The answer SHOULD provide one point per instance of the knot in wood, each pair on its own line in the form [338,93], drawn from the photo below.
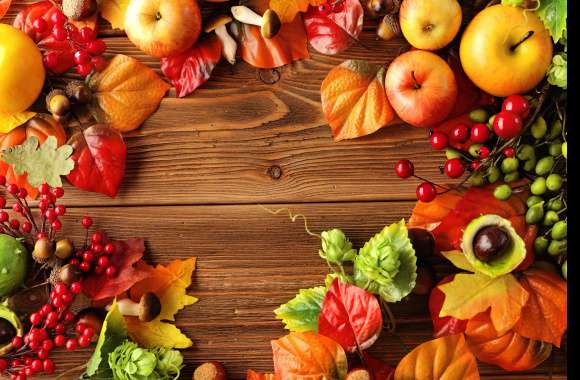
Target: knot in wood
[275,172]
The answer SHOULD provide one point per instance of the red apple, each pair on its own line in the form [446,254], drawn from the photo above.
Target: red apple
[162,28]
[421,87]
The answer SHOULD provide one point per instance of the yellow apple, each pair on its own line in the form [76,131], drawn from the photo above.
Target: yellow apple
[430,24]
[21,70]
[504,51]
[162,28]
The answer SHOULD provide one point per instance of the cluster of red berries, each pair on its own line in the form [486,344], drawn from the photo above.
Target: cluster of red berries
[96,257]
[88,50]
[48,331]
[331,6]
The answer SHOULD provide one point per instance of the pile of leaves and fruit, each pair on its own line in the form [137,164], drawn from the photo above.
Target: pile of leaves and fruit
[63,295]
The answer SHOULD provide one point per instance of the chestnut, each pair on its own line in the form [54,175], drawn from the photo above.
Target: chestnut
[212,370]
[490,242]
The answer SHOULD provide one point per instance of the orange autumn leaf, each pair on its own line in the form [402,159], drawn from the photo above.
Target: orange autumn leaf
[4,5]
[544,317]
[472,293]
[288,9]
[427,213]
[308,355]
[126,93]
[446,358]
[509,351]
[253,375]
[354,101]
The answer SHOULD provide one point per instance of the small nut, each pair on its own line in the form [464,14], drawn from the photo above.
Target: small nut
[64,249]
[57,103]
[78,92]
[212,370]
[43,250]
[69,274]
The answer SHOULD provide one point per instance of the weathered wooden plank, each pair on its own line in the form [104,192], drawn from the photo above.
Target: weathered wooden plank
[249,262]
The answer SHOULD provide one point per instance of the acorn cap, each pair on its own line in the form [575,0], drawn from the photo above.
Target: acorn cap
[149,307]
[217,21]
[271,24]
[78,92]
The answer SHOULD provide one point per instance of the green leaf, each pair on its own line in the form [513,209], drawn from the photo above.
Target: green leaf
[387,264]
[554,14]
[113,333]
[300,314]
[558,71]
[44,164]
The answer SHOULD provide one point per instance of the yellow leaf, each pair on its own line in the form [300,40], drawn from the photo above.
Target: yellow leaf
[127,92]
[470,294]
[458,259]
[446,358]
[114,12]
[288,9]
[156,334]
[10,121]
[169,284]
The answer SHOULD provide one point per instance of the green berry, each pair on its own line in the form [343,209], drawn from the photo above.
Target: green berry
[503,192]
[530,164]
[565,270]
[565,149]
[545,165]
[474,150]
[478,116]
[541,245]
[509,165]
[557,247]
[555,204]
[526,152]
[550,218]
[533,200]
[539,128]
[555,130]
[493,174]
[555,148]
[559,230]
[554,182]
[511,177]
[452,153]
[538,186]
[476,179]
[535,214]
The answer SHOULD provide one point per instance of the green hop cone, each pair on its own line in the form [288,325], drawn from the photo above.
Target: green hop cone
[336,248]
[130,362]
[387,264]
[169,363]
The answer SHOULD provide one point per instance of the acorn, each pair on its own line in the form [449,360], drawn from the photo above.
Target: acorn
[69,274]
[64,249]
[78,92]
[79,9]
[212,370]
[43,250]
[378,8]
[57,103]
[389,28]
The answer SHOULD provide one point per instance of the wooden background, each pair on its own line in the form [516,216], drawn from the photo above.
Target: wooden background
[197,170]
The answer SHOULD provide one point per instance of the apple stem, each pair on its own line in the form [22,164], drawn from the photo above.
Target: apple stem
[417,85]
[523,39]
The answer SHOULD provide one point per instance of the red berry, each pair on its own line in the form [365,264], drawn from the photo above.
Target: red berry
[3,365]
[71,344]
[43,205]
[109,248]
[60,328]
[39,25]
[27,360]
[60,288]
[87,222]
[36,318]
[103,261]
[47,345]
[27,227]
[56,302]
[80,327]
[2,180]
[97,237]
[89,332]
[42,354]
[45,309]
[15,363]
[84,341]
[324,9]
[44,188]
[99,63]
[426,192]
[17,342]
[97,248]
[4,216]
[58,18]
[84,69]
[85,266]
[76,287]
[49,197]
[2,202]
[66,298]
[74,261]
[81,57]
[88,256]
[111,271]
[475,164]
[50,214]
[86,34]
[34,345]
[58,192]
[21,376]
[15,224]
[460,133]
[50,60]
[96,47]
[507,124]
[439,140]
[59,33]
[22,193]
[517,104]
[404,168]
[28,371]
[59,340]
[12,188]
[484,152]
[60,210]
[37,366]
[48,366]
[56,225]
[509,152]
[454,168]
[16,207]
[52,318]
[479,133]
[40,235]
